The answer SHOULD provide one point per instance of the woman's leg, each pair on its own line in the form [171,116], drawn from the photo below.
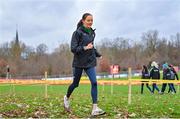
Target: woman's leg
[173,88]
[91,72]
[142,86]
[170,88]
[155,87]
[77,72]
[163,87]
[147,85]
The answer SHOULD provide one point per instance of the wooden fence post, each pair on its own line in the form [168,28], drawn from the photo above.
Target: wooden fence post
[129,91]
[45,75]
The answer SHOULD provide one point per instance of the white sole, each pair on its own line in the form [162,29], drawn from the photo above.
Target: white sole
[99,114]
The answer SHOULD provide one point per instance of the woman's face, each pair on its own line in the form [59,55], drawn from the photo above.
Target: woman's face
[88,21]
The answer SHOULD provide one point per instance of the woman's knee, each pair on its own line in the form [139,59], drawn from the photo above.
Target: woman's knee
[94,83]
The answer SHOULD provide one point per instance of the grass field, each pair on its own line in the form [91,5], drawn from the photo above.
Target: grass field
[28,101]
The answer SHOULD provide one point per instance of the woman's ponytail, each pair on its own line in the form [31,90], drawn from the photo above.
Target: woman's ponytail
[80,23]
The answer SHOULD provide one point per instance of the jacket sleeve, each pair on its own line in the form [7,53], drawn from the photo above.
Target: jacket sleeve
[142,76]
[151,73]
[176,74]
[75,47]
[97,53]
[159,75]
[164,75]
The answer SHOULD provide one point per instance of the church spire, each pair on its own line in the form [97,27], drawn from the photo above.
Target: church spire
[17,37]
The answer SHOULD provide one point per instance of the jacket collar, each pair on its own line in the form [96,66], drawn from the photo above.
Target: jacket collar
[82,29]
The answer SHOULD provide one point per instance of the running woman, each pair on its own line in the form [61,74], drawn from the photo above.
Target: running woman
[82,46]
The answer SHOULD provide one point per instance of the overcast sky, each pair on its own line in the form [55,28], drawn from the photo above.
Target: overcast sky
[52,21]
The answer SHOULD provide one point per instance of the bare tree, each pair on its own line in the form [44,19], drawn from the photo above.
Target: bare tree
[150,40]
[41,49]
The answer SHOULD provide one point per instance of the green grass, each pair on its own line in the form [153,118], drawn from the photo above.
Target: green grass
[28,101]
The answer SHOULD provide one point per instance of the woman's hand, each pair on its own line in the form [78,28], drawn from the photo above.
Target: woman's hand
[89,46]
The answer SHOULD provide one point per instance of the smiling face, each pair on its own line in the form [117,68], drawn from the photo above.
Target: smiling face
[88,21]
